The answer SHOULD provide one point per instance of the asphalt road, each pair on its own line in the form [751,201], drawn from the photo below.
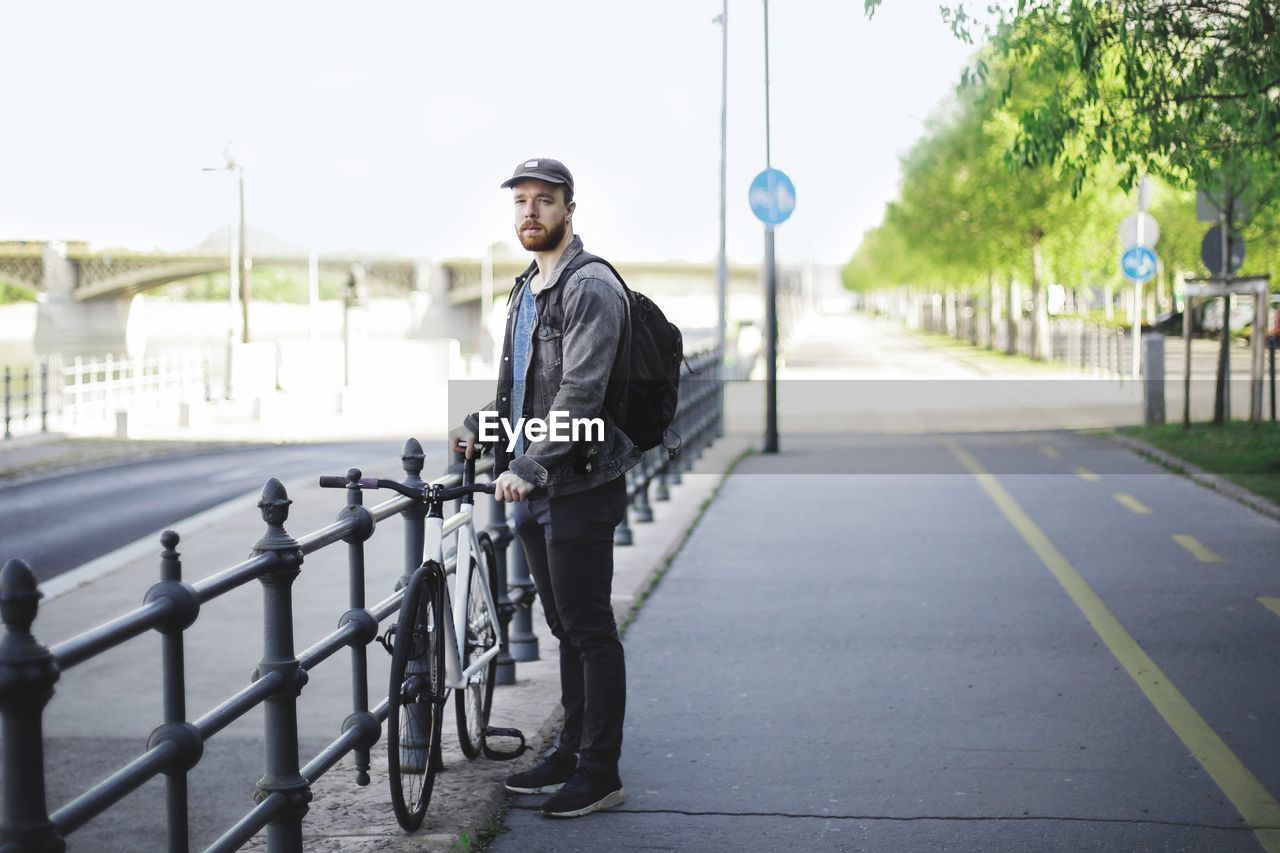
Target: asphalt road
[60,521]
[982,643]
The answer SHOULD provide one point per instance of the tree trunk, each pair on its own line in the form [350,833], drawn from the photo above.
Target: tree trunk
[993,309]
[1037,296]
[1013,313]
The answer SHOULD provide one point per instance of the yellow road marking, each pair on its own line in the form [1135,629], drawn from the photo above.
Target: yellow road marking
[1254,802]
[1132,504]
[1051,452]
[1197,550]
[1086,475]
[1272,604]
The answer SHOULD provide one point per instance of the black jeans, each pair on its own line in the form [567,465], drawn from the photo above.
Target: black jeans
[569,544]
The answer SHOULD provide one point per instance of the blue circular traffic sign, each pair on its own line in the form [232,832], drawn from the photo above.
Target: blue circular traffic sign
[1138,263]
[772,197]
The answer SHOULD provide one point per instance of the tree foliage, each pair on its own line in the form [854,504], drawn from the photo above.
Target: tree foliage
[1063,108]
[1188,90]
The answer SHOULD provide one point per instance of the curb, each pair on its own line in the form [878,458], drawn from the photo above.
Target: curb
[1225,487]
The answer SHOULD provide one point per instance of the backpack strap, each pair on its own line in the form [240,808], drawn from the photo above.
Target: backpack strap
[584,258]
[580,260]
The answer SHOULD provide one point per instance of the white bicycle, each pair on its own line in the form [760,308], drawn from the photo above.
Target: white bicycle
[430,656]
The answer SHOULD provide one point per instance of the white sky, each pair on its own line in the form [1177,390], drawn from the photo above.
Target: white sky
[388,126]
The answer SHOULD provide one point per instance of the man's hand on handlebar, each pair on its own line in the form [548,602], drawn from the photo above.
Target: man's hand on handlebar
[466,443]
[511,488]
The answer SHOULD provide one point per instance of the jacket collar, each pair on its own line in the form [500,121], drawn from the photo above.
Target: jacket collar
[570,252]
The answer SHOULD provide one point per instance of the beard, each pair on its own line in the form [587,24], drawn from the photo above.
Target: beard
[541,241]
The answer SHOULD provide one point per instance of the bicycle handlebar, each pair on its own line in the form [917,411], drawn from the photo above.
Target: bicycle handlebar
[343,482]
[422,494]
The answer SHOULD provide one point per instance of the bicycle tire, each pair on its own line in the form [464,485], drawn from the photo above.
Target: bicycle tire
[474,702]
[416,696]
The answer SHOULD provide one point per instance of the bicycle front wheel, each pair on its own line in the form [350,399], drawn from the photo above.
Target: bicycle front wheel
[474,701]
[416,696]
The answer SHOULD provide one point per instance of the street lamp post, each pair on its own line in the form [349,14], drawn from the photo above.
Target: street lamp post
[245,262]
[241,264]
[237,271]
[722,271]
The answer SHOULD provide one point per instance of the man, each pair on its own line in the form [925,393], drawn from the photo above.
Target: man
[566,336]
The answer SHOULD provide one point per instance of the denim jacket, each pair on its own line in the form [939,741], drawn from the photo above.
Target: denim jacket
[571,365]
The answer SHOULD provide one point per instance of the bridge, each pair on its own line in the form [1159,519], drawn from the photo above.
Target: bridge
[85,293]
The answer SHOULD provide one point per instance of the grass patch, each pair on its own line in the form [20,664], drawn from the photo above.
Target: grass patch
[1246,454]
[493,827]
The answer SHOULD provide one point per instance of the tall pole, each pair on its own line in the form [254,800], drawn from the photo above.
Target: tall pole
[771,280]
[722,268]
[768,151]
[1137,285]
[233,321]
[1222,389]
[244,265]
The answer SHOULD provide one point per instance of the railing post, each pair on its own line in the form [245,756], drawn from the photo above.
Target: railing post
[622,533]
[643,511]
[524,643]
[44,395]
[415,532]
[175,727]
[500,534]
[360,716]
[284,833]
[660,492]
[8,398]
[27,675]
[26,396]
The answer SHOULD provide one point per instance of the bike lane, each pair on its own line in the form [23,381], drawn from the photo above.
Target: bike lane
[1189,574]
[880,661]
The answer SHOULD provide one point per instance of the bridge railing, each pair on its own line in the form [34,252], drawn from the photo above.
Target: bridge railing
[24,399]
[92,393]
[29,670]
[96,395]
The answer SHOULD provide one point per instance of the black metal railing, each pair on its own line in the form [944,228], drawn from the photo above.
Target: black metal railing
[698,421]
[29,670]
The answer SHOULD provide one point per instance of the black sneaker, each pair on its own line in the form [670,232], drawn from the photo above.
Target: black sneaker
[546,776]
[588,791]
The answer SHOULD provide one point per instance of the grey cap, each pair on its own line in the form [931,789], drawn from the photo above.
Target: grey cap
[543,169]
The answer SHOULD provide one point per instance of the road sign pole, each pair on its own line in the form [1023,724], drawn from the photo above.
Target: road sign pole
[1188,307]
[1258,342]
[771,345]
[771,275]
[1222,390]
[1137,283]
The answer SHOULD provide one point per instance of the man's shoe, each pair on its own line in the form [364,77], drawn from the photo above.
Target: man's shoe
[588,791]
[545,777]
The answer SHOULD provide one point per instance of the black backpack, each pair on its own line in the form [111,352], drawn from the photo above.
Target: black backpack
[643,402]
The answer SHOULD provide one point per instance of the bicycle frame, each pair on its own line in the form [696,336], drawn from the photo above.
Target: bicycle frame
[438,529]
